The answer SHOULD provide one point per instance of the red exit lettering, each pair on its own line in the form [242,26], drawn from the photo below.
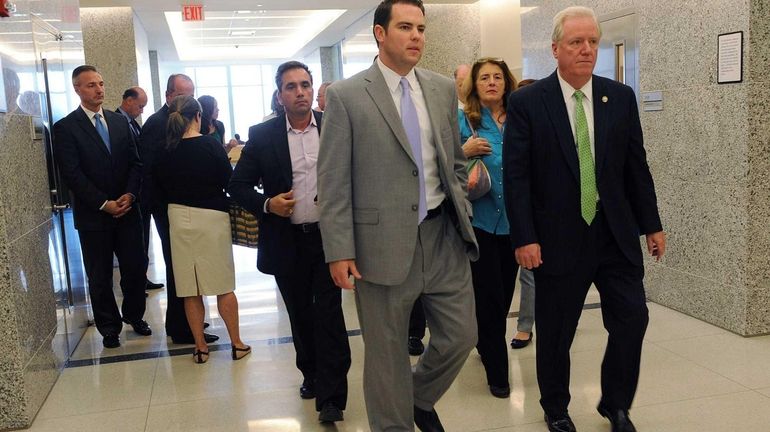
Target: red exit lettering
[192,12]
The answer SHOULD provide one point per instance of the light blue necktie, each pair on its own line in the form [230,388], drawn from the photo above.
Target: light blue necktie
[102,131]
[412,127]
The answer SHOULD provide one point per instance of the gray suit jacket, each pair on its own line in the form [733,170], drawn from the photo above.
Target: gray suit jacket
[367,177]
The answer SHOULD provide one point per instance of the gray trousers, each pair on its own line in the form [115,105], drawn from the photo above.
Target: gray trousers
[527,301]
[440,272]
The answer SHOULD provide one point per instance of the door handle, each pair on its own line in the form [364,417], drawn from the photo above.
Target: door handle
[61,207]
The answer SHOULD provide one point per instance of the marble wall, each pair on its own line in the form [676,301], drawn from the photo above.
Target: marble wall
[110,46]
[33,324]
[452,36]
[33,353]
[708,151]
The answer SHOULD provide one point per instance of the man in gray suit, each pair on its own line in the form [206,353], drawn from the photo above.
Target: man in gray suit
[394,215]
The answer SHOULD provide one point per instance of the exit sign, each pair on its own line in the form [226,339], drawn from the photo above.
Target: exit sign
[192,12]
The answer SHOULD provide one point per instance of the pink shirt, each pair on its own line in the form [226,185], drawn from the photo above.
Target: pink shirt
[303,148]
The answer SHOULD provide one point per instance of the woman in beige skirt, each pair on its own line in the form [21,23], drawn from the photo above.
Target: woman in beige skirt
[192,174]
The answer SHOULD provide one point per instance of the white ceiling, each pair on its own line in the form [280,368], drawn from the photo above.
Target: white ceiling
[271,21]
[286,26]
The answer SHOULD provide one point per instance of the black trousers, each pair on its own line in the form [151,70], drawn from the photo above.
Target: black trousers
[146,222]
[558,305]
[494,278]
[125,241]
[176,320]
[417,320]
[314,305]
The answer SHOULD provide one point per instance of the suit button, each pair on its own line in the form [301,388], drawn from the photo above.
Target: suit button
[415,173]
[414,207]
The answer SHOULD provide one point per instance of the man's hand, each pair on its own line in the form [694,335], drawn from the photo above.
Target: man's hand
[341,271]
[230,145]
[282,204]
[656,244]
[528,256]
[116,209]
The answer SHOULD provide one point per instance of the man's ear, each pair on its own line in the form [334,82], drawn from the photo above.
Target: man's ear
[379,33]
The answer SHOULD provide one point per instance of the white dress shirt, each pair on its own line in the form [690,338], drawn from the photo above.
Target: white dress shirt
[303,148]
[91,115]
[434,195]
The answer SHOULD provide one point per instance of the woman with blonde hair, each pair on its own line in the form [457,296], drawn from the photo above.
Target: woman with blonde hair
[192,175]
[481,122]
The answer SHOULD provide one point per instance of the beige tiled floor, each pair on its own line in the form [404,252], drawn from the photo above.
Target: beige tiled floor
[695,378]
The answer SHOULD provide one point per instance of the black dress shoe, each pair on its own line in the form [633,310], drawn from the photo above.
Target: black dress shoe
[190,340]
[415,346]
[307,390]
[427,421]
[500,392]
[141,327]
[521,343]
[618,418]
[152,285]
[560,424]
[330,413]
[111,341]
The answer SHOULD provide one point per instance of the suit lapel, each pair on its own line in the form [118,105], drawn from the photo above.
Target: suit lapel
[430,92]
[380,94]
[281,147]
[90,130]
[601,111]
[557,112]
[112,130]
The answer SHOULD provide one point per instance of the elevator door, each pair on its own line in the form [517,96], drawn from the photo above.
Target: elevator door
[619,49]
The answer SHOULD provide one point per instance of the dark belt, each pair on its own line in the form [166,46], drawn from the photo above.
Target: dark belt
[306,227]
[434,212]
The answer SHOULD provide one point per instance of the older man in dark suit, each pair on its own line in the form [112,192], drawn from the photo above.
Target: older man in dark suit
[281,154]
[579,193]
[132,106]
[98,160]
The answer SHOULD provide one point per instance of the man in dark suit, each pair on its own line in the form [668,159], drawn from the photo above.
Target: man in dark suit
[134,101]
[152,144]
[97,158]
[281,153]
[579,193]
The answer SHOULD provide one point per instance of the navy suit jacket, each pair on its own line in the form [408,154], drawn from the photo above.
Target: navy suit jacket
[94,174]
[266,159]
[542,176]
[152,144]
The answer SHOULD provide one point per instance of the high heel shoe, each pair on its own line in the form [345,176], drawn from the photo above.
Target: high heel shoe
[239,353]
[198,356]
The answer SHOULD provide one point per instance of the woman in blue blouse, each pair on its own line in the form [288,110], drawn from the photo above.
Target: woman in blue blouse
[481,129]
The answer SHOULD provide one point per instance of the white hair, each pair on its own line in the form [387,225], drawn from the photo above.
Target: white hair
[571,12]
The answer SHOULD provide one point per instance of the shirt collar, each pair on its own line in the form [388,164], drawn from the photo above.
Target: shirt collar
[91,114]
[393,80]
[125,114]
[311,124]
[567,90]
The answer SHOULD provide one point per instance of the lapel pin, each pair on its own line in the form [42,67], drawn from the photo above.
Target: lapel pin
[605,99]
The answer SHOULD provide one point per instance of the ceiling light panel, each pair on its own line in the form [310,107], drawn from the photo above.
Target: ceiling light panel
[268,34]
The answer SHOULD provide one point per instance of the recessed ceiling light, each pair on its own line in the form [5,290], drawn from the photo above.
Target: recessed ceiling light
[243,11]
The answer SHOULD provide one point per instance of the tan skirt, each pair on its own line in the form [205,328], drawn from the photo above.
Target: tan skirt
[201,251]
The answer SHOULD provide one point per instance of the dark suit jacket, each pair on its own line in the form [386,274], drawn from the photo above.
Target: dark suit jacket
[152,143]
[542,180]
[94,174]
[266,159]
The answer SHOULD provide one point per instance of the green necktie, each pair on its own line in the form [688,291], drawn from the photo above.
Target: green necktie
[588,190]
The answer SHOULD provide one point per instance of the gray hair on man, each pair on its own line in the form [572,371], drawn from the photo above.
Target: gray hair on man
[571,12]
